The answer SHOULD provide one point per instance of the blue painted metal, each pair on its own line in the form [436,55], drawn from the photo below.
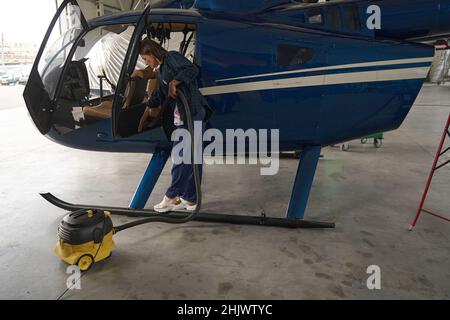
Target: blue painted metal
[415,19]
[309,158]
[238,6]
[150,178]
[401,19]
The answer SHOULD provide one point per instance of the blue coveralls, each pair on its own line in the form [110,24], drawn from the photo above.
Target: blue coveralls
[183,181]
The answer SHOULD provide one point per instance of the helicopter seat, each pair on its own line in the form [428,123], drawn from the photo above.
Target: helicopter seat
[135,93]
[137,89]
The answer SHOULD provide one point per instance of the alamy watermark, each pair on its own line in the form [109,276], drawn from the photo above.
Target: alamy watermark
[374,19]
[374,280]
[74,280]
[232,146]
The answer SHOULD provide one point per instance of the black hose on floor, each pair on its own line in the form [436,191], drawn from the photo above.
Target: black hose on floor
[190,123]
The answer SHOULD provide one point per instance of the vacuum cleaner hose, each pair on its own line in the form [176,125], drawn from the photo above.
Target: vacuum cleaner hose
[190,124]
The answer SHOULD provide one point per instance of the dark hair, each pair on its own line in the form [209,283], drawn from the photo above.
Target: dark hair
[149,46]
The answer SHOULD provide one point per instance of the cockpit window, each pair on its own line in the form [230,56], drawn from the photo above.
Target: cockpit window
[292,55]
[66,31]
[91,77]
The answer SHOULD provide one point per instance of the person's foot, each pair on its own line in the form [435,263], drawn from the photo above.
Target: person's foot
[188,206]
[168,205]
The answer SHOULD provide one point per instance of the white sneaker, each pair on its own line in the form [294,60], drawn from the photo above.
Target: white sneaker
[168,205]
[187,206]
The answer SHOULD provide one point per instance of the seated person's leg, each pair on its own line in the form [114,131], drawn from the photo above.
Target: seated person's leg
[104,109]
[137,89]
[101,111]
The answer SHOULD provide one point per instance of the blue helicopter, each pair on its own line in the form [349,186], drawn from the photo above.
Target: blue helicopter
[322,73]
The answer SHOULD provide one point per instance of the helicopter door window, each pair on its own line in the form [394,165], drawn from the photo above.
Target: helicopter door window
[66,31]
[334,18]
[351,19]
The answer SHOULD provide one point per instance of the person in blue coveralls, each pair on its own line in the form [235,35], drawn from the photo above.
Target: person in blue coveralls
[175,72]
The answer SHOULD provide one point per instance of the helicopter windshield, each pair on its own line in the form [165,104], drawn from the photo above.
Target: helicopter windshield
[66,31]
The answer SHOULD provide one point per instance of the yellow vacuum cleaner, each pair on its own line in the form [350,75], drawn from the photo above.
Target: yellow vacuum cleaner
[85,237]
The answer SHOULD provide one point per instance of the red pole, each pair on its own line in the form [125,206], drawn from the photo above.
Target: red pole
[430,177]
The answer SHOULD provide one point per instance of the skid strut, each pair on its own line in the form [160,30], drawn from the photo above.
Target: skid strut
[202,216]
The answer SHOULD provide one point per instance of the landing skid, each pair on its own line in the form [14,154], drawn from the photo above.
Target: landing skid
[202,216]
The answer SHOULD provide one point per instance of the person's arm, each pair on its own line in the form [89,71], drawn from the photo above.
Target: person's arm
[145,74]
[148,73]
[137,74]
[185,71]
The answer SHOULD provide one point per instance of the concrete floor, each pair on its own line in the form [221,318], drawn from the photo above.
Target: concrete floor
[371,194]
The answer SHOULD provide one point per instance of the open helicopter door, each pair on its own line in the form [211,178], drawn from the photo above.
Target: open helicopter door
[39,94]
[127,69]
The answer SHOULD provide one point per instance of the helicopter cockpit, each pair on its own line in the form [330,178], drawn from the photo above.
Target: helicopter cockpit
[90,78]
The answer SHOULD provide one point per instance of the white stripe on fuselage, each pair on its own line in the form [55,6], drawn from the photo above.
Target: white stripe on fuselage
[321,80]
[338,67]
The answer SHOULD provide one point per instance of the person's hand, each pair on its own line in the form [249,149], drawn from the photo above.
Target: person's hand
[143,121]
[173,88]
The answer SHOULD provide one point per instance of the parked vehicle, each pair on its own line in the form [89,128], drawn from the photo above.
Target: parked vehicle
[8,78]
